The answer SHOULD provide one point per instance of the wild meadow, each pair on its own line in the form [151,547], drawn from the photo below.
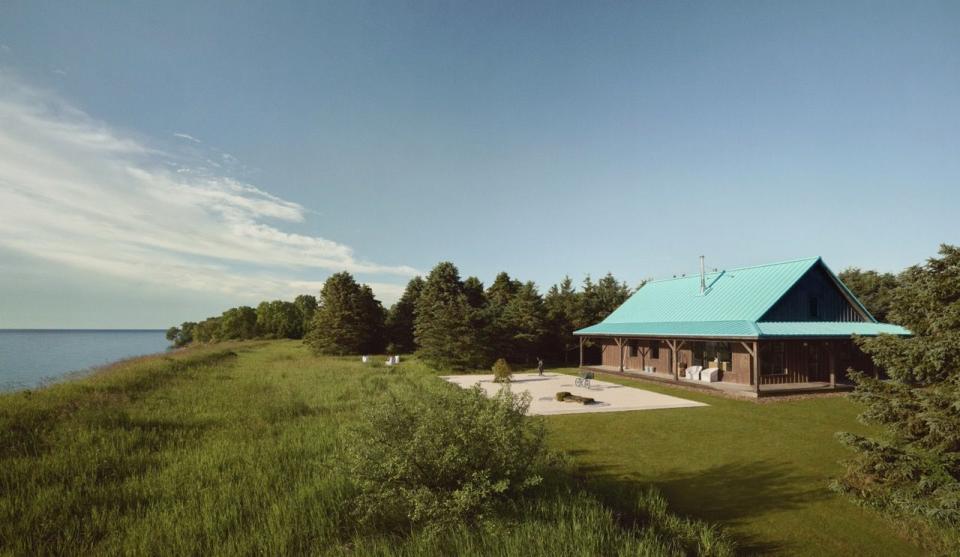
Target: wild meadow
[238,448]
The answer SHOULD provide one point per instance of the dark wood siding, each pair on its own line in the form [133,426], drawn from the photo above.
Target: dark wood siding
[815,287]
[802,361]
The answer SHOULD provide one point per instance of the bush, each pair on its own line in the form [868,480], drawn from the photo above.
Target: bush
[502,372]
[444,456]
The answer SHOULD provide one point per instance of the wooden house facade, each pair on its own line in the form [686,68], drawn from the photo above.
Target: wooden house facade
[779,327]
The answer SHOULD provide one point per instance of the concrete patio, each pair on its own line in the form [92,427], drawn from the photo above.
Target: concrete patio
[609,397]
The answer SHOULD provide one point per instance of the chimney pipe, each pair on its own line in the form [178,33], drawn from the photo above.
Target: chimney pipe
[703,278]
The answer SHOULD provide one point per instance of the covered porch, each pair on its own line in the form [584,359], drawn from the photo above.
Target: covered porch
[736,389]
[750,367]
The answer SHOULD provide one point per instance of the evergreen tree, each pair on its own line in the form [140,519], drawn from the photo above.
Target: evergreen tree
[473,289]
[400,319]
[601,298]
[372,318]
[913,468]
[445,325]
[874,289]
[563,309]
[349,319]
[523,319]
[307,306]
[497,332]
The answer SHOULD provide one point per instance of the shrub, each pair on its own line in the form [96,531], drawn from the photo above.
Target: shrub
[444,456]
[502,372]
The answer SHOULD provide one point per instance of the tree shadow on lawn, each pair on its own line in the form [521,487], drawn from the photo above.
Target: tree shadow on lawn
[728,494]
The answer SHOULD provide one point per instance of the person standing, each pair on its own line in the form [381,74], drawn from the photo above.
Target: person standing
[539,365]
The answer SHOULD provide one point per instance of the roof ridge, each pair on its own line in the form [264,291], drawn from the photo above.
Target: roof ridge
[720,271]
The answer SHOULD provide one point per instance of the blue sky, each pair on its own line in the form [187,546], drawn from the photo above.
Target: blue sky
[159,163]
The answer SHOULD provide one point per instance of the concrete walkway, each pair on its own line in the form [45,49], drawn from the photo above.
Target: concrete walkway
[610,397]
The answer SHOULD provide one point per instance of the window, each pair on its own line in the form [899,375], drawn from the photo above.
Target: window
[706,352]
[814,307]
[632,349]
[655,349]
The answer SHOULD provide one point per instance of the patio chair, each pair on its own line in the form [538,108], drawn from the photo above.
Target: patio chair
[710,375]
[693,373]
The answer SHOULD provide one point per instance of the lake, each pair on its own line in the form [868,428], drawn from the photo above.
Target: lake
[29,358]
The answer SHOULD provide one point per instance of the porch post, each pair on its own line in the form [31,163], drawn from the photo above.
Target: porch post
[832,359]
[756,367]
[673,357]
[619,341]
[581,351]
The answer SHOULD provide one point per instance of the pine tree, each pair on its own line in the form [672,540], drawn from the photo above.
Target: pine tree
[913,468]
[563,313]
[349,319]
[601,298]
[498,333]
[445,325]
[401,317]
[524,321]
[874,289]
[372,319]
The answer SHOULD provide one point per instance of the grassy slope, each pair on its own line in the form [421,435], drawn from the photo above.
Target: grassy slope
[237,455]
[761,470]
[208,452]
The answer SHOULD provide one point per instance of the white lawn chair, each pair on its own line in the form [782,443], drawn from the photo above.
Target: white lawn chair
[364,358]
[710,375]
[693,373]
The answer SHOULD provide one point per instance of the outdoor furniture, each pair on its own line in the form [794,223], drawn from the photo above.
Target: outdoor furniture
[693,373]
[584,379]
[710,375]
[364,358]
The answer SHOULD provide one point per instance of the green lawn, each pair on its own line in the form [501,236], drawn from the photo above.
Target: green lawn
[215,452]
[761,470]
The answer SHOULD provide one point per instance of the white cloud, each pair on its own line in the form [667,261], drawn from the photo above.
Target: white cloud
[76,192]
[187,136]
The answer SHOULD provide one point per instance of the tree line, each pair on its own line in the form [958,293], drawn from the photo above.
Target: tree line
[447,321]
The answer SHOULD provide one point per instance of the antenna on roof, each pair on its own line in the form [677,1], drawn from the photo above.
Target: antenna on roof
[703,278]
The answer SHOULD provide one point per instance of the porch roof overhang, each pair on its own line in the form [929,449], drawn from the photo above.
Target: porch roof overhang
[742,329]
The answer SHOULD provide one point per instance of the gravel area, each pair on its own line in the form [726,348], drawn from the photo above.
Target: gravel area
[609,397]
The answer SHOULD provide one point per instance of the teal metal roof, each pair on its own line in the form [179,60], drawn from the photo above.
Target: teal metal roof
[733,295]
[675,329]
[732,305]
[827,328]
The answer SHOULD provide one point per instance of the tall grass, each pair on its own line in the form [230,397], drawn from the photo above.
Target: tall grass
[234,449]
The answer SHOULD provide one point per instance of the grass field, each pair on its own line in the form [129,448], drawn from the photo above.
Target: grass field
[233,449]
[760,470]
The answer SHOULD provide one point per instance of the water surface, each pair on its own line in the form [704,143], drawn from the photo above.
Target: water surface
[29,358]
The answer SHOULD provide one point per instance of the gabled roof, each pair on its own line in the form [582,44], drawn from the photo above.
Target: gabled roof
[732,305]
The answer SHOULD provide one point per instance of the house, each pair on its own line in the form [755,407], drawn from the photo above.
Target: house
[768,329]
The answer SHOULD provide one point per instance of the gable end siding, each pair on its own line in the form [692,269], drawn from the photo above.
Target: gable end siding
[831,304]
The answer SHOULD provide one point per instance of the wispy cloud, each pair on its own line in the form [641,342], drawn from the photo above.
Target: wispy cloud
[77,192]
[186,136]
